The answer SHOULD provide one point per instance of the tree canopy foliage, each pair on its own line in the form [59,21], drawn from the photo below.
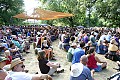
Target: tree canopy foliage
[86,12]
[9,8]
[93,12]
[74,7]
[109,10]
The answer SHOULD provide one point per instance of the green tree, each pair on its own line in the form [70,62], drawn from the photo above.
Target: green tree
[91,12]
[9,8]
[89,8]
[75,7]
[109,10]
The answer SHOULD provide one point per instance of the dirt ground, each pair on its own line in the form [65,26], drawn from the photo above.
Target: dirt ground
[32,64]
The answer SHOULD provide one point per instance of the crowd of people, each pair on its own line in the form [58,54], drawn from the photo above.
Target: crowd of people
[81,45]
[80,42]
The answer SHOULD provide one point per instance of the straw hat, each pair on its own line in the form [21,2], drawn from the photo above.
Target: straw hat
[112,47]
[113,41]
[15,62]
[76,69]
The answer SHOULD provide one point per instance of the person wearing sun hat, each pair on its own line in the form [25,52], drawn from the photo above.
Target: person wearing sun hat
[2,59]
[79,71]
[17,72]
[113,46]
[112,51]
[15,62]
[3,73]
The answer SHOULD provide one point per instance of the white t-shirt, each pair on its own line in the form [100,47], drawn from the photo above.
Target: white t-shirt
[18,76]
[62,37]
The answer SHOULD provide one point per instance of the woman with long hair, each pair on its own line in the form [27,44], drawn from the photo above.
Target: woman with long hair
[47,67]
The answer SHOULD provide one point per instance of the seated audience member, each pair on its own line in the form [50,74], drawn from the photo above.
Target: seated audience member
[20,38]
[8,56]
[45,43]
[92,39]
[108,37]
[46,46]
[39,40]
[100,47]
[66,41]
[60,41]
[26,46]
[79,71]
[2,49]
[5,45]
[105,43]
[71,51]
[78,53]
[47,67]
[76,38]
[85,38]
[14,52]
[72,39]
[3,73]
[16,42]
[93,60]
[112,51]
[24,43]
[18,73]
[88,45]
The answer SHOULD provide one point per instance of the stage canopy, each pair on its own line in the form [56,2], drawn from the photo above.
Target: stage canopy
[22,16]
[40,14]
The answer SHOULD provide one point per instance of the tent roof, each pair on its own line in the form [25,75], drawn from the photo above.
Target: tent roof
[41,14]
[22,16]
